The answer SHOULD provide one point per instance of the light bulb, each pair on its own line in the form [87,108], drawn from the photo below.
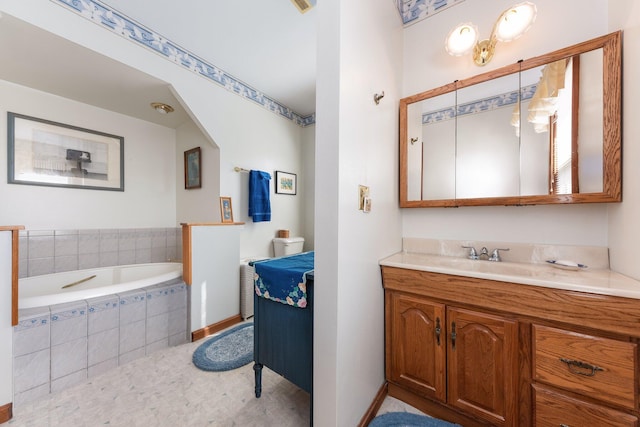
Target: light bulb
[515,21]
[462,39]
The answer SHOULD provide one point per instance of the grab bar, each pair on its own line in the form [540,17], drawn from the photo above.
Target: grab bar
[78,282]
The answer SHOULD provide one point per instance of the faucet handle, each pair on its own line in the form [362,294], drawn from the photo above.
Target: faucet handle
[495,254]
[472,252]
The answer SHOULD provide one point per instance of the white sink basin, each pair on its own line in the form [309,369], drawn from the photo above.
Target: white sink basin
[599,281]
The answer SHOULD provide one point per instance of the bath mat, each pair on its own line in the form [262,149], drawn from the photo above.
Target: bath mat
[407,419]
[229,350]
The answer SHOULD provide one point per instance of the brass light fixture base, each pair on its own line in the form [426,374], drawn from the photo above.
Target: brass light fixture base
[511,24]
[162,108]
[483,51]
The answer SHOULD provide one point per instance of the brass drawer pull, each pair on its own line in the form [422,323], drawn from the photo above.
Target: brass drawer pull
[575,366]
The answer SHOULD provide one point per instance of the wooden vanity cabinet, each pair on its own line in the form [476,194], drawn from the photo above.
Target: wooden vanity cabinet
[486,353]
[553,409]
[460,357]
[482,365]
[418,339]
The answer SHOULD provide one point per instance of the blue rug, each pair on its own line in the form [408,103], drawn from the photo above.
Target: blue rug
[229,350]
[407,419]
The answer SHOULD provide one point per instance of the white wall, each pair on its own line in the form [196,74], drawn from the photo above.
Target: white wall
[427,65]
[359,54]
[215,290]
[624,227]
[197,204]
[149,174]
[250,137]
[308,201]
[6,331]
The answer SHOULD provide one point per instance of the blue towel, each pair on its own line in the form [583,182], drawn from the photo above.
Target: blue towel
[259,205]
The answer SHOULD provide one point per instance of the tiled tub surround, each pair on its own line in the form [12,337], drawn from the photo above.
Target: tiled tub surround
[54,251]
[64,344]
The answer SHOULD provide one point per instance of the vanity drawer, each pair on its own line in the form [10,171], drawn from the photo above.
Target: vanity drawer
[554,409]
[601,368]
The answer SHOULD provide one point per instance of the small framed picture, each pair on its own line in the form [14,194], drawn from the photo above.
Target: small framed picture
[285,183]
[192,170]
[226,211]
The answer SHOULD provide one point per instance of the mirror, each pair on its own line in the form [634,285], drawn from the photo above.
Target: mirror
[545,130]
[487,159]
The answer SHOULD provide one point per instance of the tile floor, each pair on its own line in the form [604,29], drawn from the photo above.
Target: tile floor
[165,389]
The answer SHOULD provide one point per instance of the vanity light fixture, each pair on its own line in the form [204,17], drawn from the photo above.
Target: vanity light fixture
[162,108]
[511,24]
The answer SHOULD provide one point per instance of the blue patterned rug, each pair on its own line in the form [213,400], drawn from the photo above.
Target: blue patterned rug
[229,350]
[407,419]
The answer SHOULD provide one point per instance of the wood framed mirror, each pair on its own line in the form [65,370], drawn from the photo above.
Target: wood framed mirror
[546,130]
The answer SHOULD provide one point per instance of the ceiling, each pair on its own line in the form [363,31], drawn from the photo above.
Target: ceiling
[93,79]
[267,44]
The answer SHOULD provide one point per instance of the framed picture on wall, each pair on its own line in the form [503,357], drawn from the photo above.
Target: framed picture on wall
[42,152]
[226,211]
[286,183]
[192,169]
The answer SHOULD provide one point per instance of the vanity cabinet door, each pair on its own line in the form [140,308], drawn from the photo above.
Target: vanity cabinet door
[417,350]
[483,362]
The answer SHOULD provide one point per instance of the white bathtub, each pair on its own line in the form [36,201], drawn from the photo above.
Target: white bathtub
[38,291]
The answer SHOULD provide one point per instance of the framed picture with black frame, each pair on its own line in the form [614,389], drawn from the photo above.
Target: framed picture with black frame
[47,153]
[286,183]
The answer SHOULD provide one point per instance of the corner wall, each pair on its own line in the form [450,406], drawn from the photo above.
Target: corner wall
[309,168]
[149,196]
[624,227]
[197,204]
[6,330]
[359,54]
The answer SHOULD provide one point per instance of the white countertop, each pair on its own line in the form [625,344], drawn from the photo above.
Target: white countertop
[597,281]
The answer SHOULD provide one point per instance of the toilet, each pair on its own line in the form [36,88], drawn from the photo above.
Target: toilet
[287,246]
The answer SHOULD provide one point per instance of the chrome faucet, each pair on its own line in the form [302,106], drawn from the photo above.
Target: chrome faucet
[495,255]
[472,252]
[484,252]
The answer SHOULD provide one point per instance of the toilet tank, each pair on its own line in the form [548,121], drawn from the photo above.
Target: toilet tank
[287,246]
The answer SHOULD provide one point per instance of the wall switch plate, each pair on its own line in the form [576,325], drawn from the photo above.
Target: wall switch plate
[367,205]
[363,192]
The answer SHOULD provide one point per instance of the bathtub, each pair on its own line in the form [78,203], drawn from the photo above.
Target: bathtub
[38,291]
[66,336]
